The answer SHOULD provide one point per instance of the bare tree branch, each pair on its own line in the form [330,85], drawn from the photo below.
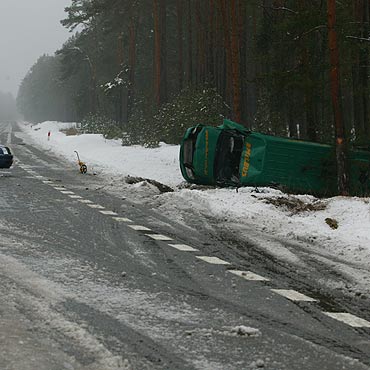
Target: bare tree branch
[311,30]
[280,8]
[358,38]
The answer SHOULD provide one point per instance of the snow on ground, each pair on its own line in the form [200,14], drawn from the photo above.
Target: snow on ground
[350,242]
[109,156]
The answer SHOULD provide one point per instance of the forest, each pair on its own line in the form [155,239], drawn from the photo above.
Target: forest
[144,70]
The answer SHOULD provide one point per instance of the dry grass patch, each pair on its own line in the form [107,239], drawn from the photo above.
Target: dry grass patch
[72,131]
[296,205]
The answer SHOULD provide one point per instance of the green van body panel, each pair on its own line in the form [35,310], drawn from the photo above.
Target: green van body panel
[294,165]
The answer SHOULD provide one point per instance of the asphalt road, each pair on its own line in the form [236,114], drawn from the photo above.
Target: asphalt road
[95,281]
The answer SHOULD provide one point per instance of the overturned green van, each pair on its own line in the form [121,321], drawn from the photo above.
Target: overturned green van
[231,155]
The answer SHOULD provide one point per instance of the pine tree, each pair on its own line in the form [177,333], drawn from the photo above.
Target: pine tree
[343,180]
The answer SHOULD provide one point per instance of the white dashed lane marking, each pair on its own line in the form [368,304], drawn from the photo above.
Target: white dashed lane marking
[213,260]
[159,237]
[183,247]
[121,219]
[109,213]
[349,319]
[248,275]
[139,228]
[96,206]
[293,295]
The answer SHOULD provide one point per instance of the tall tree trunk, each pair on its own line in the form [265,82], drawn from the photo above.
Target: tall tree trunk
[122,98]
[211,43]
[244,23]
[235,61]
[364,67]
[180,44]
[227,45]
[342,171]
[220,53]
[163,33]
[198,42]
[200,48]
[132,65]
[190,44]
[92,60]
[251,67]
[157,54]
[357,84]
[309,99]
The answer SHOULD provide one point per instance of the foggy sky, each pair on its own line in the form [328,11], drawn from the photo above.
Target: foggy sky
[28,29]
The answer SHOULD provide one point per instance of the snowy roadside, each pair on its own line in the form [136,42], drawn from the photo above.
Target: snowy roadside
[300,218]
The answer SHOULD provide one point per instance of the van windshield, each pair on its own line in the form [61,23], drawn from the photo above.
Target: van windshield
[189,146]
[227,161]
[189,149]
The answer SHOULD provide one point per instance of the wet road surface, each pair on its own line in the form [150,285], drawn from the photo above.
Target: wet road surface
[95,281]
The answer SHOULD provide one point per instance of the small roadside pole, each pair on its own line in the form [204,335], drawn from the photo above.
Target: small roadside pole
[49,133]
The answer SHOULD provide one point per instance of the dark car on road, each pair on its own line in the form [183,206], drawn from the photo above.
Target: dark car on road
[6,157]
